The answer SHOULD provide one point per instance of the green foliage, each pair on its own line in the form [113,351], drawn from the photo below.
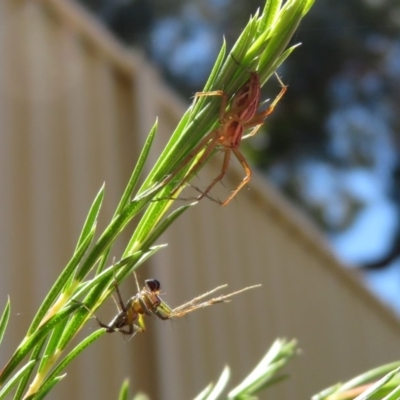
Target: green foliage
[265,373]
[4,319]
[262,376]
[87,278]
[382,383]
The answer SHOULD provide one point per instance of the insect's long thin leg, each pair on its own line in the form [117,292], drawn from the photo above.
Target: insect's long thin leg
[195,305]
[102,324]
[198,298]
[245,180]
[121,302]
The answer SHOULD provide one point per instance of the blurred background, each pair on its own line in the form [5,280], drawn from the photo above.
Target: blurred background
[332,146]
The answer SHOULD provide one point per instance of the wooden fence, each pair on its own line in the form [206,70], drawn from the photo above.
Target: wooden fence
[75,107]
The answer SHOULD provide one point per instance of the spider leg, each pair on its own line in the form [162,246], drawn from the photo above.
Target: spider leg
[259,118]
[245,180]
[224,168]
[210,141]
[271,108]
[224,100]
[211,137]
[253,131]
[187,159]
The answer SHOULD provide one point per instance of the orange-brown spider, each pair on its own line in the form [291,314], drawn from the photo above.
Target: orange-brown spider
[241,116]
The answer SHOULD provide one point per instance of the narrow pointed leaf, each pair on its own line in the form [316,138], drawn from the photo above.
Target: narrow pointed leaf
[62,279]
[126,197]
[91,219]
[394,394]
[220,385]
[376,386]
[270,14]
[124,392]
[151,237]
[42,393]
[5,390]
[32,341]
[69,358]
[204,393]
[4,319]
[111,233]
[34,357]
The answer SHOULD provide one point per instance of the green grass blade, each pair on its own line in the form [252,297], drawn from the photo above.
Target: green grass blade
[82,315]
[220,385]
[268,72]
[165,162]
[42,394]
[124,264]
[326,392]
[307,6]
[91,219]
[215,69]
[378,385]
[144,256]
[115,228]
[4,319]
[127,195]
[174,150]
[124,392]
[289,19]
[370,376]
[141,396]
[270,14]
[60,282]
[28,344]
[394,394]
[358,381]
[184,138]
[241,46]
[151,234]
[51,346]
[204,393]
[69,358]
[212,79]
[15,379]
[146,224]
[264,373]
[35,357]
[130,187]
